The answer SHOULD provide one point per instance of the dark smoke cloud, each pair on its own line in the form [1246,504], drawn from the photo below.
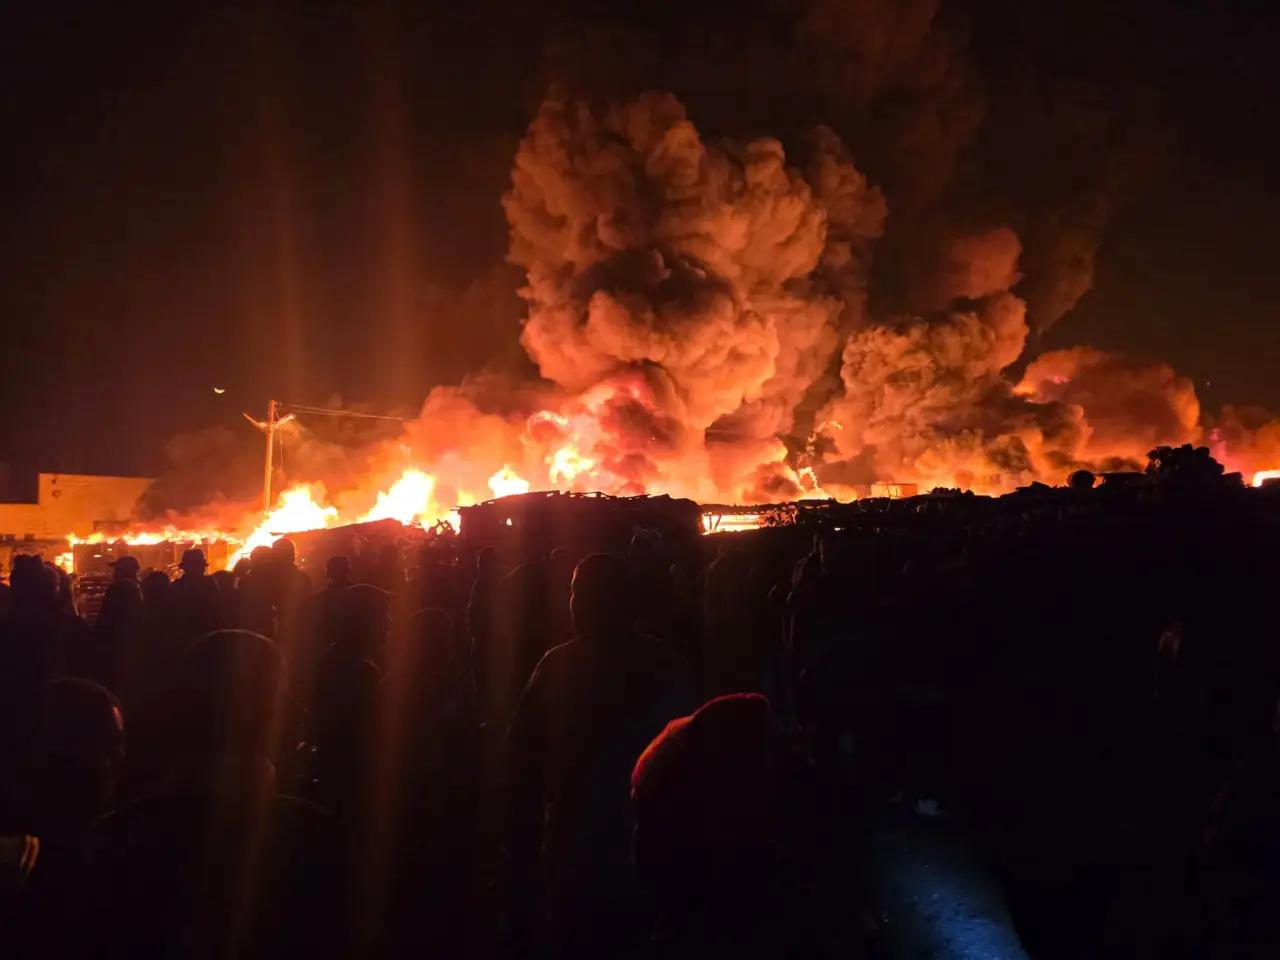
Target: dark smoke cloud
[718,271]
[956,148]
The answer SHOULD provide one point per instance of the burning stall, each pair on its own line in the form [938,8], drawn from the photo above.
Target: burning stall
[93,560]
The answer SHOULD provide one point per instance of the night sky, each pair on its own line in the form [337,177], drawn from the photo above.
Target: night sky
[303,201]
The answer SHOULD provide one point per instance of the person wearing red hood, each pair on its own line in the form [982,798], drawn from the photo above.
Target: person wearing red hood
[704,796]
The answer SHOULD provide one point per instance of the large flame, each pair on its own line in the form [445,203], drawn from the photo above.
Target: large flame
[408,500]
[507,483]
[295,512]
[1262,476]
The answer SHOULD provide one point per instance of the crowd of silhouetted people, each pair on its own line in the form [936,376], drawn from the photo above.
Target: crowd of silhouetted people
[655,752]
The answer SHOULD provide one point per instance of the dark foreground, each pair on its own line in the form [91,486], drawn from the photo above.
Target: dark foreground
[647,752]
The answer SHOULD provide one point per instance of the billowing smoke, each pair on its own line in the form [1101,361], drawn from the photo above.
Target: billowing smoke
[713,279]
[1125,408]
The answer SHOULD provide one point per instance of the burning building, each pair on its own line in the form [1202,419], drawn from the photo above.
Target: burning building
[67,506]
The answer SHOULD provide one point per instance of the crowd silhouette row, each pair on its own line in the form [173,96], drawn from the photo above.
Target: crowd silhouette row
[653,753]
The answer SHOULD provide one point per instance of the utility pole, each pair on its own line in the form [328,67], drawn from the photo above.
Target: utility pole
[271,448]
[269,426]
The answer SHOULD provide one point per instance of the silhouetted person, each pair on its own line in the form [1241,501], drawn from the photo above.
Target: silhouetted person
[337,571]
[76,761]
[387,572]
[114,652]
[521,633]
[193,599]
[346,697]
[155,587]
[559,580]
[483,597]
[705,797]
[218,862]
[431,586]
[727,622]
[588,711]
[429,739]
[290,590]
[37,641]
[66,596]
[1241,862]
[326,604]
[651,573]
[125,568]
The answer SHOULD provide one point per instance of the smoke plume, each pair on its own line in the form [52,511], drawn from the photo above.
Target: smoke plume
[716,276]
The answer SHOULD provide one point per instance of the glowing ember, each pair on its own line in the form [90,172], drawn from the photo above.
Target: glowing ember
[507,483]
[1262,476]
[409,499]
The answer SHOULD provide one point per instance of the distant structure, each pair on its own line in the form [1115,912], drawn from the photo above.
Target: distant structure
[67,504]
[533,524]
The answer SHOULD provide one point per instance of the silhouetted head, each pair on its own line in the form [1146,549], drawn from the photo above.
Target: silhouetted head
[432,654]
[33,584]
[242,567]
[62,587]
[78,752]
[193,562]
[226,581]
[560,565]
[155,586]
[284,552]
[601,599]
[338,571]
[646,545]
[120,603]
[1081,480]
[487,562]
[125,568]
[259,558]
[231,693]
[703,791]
[364,617]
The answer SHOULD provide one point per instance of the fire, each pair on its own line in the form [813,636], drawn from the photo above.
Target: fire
[567,463]
[730,522]
[67,561]
[297,511]
[507,483]
[1262,476]
[408,500]
[147,538]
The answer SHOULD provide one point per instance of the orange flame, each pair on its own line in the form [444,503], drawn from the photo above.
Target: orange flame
[507,483]
[408,500]
[296,511]
[1262,476]
[731,522]
[566,464]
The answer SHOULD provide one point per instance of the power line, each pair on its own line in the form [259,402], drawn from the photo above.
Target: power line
[330,412]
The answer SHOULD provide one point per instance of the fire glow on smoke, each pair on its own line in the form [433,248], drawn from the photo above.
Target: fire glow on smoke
[700,317]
